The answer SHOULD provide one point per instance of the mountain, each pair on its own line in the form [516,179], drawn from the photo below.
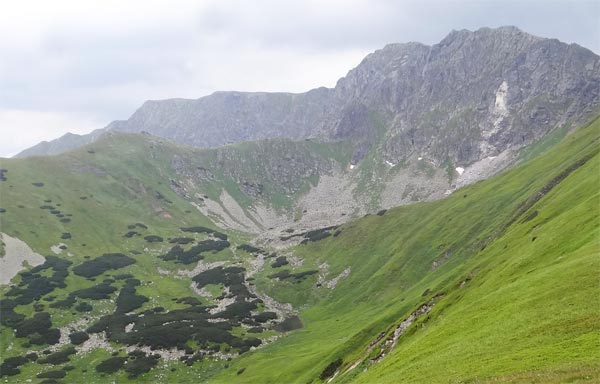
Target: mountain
[469,97]
[490,284]
[433,218]
[410,123]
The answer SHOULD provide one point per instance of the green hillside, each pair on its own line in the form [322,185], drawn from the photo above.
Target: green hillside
[498,282]
[515,295]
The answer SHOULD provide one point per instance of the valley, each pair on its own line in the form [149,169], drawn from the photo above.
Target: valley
[433,218]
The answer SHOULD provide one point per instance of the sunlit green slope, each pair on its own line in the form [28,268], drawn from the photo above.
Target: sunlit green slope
[509,267]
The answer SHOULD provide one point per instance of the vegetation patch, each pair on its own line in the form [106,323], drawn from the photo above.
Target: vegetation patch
[198,229]
[289,324]
[265,316]
[128,300]
[111,365]
[153,239]
[140,364]
[181,240]
[331,369]
[10,366]
[58,374]
[280,262]
[78,337]
[59,357]
[249,248]
[102,264]
[285,274]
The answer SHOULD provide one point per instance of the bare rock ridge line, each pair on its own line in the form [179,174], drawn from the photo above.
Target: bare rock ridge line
[486,91]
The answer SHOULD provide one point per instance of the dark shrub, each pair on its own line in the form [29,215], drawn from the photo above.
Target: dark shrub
[188,300]
[302,275]
[289,324]
[83,307]
[66,236]
[238,309]
[141,365]
[240,371]
[280,275]
[280,262]
[181,240]
[194,254]
[123,276]
[39,323]
[78,337]
[220,235]
[252,342]
[382,212]
[198,229]
[330,369]
[51,336]
[249,248]
[265,316]
[52,375]
[32,356]
[130,234]
[8,316]
[102,264]
[219,275]
[111,365]
[127,300]
[97,292]
[153,239]
[10,366]
[38,184]
[59,357]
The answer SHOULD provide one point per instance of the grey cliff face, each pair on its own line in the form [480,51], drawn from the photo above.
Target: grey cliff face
[475,94]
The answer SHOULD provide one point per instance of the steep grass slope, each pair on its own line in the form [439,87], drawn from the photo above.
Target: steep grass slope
[508,267]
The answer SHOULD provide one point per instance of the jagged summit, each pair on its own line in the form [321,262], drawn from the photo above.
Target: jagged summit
[438,101]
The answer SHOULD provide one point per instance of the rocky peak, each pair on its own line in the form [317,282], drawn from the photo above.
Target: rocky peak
[472,95]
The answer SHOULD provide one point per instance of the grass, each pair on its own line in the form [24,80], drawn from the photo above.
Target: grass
[518,288]
[525,311]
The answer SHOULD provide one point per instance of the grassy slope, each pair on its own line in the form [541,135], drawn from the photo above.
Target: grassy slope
[489,328]
[528,310]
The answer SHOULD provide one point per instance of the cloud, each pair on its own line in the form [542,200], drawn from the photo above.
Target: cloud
[93,62]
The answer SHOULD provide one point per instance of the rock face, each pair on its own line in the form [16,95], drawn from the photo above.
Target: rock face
[473,95]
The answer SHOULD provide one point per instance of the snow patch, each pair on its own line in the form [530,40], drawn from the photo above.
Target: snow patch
[460,170]
[390,163]
[352,166]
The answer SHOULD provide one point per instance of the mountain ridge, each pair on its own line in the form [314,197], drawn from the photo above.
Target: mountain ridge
[386,82]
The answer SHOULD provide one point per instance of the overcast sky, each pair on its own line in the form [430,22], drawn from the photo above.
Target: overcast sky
[74,66]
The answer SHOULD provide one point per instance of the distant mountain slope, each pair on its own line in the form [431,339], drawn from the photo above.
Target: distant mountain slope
[473,95]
